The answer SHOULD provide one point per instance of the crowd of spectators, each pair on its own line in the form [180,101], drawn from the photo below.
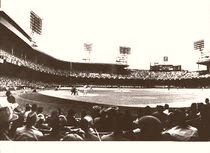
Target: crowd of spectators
[9,58]
[17,83]
[134,74]
[145,75]
[106,124]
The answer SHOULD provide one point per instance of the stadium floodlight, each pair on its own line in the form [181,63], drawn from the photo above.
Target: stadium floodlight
[125,50]
[128,50]
[199,45]
[35,23]
[165,58]
[88,48]
[121,50]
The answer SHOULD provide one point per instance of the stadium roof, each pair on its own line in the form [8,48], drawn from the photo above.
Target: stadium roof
[14,27]
[204,61]
[124,65]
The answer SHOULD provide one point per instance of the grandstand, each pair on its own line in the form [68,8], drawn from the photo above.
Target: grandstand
[20,59]
[205,61]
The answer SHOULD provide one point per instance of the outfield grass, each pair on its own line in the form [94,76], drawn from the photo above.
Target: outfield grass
[135,97]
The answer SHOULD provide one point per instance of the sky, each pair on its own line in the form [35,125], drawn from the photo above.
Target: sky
[152,28]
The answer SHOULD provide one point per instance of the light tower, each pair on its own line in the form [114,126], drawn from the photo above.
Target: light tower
[199,45]
[87,48]
[35,26]
[123,57]
[204,57]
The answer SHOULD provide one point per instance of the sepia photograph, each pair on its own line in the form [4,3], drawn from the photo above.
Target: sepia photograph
[131,71]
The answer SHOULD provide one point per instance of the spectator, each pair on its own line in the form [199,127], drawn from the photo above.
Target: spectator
[95,111]
[117,128]
[182,131]
[34,109]
[204,122]
[26,112]
[166,109]
[53,122]
[90,133]
[170,121]
[147,110]
[127,121]
[41,123]
[193,112]
[150,129]
[12,101]
[29,132]
[83,114]
[10,97]
[193,116]
[101,123]
[71,119]
[40,115]
[207,101]
[160,114]
[62,124]
[6,118]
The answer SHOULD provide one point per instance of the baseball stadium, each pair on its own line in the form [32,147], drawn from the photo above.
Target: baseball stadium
[84,101]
